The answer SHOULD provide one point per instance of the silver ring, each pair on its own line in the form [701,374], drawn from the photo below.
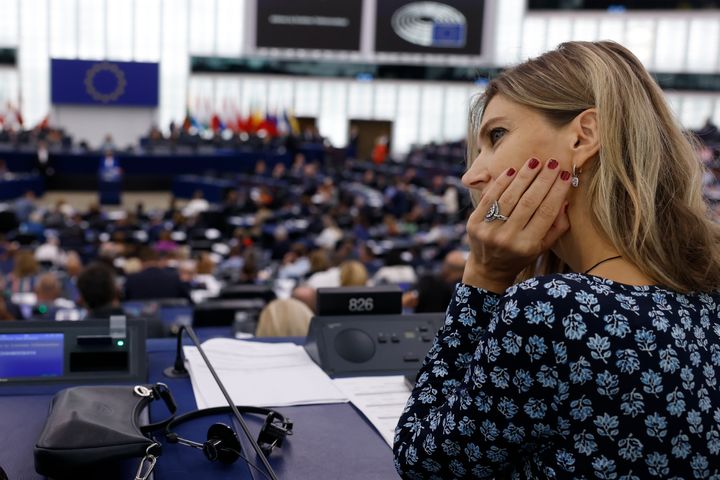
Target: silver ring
[494,213]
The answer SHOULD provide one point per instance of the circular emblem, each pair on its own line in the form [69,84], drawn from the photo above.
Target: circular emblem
[105,95]
[428,23]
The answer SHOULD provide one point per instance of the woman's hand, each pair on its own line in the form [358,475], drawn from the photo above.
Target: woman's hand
[533,201]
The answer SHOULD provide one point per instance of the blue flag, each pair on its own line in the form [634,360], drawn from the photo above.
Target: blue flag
[104,83]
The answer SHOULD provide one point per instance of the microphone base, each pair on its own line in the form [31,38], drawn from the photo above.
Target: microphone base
[170,372]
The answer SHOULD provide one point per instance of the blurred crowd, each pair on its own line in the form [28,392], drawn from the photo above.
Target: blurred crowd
[708,147]
[294,229]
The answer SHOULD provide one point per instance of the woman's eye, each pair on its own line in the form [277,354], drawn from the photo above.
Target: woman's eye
[496,134]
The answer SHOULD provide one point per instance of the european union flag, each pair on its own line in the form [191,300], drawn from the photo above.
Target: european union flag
[448,35]
[105,83]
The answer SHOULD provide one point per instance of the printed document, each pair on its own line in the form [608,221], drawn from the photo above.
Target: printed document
[259,374]
[380,399]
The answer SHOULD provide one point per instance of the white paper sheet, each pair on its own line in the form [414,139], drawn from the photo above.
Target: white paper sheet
[259,374]
[380,399]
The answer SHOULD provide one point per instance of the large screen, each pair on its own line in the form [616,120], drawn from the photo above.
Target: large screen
[445,27]
[313,24]
[31,355]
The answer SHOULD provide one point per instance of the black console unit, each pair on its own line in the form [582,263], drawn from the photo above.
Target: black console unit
[89,351]
[382,300]
[372,344]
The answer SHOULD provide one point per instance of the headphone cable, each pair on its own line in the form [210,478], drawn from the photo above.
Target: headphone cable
[270,472]
[251,464]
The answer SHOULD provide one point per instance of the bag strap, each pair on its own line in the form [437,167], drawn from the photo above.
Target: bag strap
[160,391]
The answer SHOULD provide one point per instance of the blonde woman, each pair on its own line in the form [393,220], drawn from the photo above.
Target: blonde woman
[25,270]
[604,361]
[285,317]
[353,274]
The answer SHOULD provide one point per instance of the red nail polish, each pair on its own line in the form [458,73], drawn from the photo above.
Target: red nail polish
[511,172]
[565,175]
[552,164]
[534,162]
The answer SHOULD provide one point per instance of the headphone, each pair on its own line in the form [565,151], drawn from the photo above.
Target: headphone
[222,443]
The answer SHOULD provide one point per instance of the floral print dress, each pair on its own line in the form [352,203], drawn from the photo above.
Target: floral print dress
[568,376]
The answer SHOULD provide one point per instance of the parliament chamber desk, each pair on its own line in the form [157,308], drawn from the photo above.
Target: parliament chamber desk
[15,186]
[331,441]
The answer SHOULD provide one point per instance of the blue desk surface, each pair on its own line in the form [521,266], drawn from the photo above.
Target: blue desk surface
[331,441]
[12,188]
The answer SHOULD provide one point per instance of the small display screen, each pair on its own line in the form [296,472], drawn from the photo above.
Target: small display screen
[31,355]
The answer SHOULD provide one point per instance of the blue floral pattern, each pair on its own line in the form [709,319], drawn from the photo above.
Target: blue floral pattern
[568,376]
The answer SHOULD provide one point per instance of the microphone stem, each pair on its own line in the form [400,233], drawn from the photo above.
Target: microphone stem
[230,402]
[179,358]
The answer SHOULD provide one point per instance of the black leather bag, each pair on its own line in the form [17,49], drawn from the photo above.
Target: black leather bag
[95,427]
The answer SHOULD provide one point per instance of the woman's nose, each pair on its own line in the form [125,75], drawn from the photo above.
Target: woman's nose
[476,175]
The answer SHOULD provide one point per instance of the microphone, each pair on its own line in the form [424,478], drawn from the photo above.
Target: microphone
[179,370]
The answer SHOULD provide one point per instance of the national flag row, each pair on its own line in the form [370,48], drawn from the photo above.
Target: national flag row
[271,123]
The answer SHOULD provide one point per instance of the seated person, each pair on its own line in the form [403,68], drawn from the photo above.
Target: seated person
[396,271]
[285,317]
[353,274]
[8,311]
[24,275]
[48,294]
[99,292]
[101,296]
[432,292]
[306,294]
[154,281]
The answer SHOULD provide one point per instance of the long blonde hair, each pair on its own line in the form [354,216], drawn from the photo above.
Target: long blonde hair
[645,190]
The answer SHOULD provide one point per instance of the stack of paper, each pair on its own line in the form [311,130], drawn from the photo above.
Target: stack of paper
[380,399]
[259,374]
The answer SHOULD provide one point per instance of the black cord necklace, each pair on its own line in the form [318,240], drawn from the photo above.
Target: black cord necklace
[601,262]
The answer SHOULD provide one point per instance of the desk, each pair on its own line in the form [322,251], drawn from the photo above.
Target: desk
[331,441]
[16,186]
[214,189]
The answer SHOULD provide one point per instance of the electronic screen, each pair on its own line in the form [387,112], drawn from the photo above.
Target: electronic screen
[313,24]
[448,27]
[31,355]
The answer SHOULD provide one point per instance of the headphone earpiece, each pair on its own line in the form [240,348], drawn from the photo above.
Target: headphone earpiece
[222,444]
[273,432]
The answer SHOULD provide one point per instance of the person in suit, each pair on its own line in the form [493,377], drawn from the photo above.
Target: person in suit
[154,281]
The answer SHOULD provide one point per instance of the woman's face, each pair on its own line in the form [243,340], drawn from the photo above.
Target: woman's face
[511,134]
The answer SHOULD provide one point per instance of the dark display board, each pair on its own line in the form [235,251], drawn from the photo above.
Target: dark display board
[445,27]
[311,24]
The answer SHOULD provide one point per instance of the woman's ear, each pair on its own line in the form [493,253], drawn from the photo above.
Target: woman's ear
[586,135]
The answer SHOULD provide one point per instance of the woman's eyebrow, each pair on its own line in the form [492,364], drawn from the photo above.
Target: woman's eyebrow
[487,124]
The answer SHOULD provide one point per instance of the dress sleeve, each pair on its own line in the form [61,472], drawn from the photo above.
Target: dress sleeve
[489,390]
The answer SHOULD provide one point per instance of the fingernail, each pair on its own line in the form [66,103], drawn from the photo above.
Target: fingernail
[534,162]
[511,172]
[552,164]
[565,175]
